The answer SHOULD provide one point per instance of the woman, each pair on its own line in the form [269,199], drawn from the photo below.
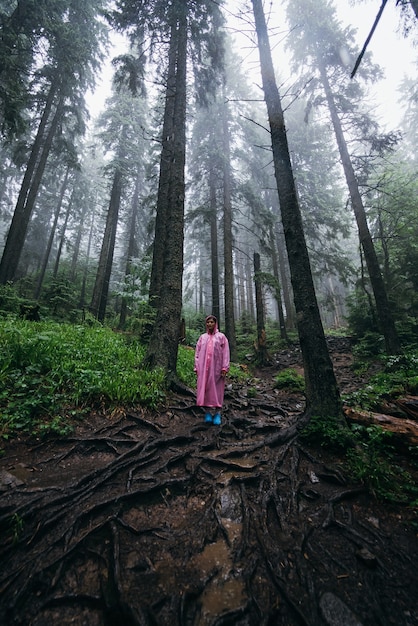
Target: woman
[211,364]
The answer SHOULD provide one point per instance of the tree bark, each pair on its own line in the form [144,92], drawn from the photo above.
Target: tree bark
[163,345]
[386,322]
[241,279]
[414,5]
[405,430]
[86,266]
[76,250]
[29,190]
[322,394]
[275,267]
[261,347]
[51,237]
[132,249]
[101,286]
[249,284]
[228,255]
[290,319]
[216,309]
[62,236]
[164,183]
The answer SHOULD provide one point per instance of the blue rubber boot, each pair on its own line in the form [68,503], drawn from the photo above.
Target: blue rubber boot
[208,418]
[217,419]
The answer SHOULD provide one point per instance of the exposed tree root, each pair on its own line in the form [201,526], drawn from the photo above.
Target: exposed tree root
[186,524]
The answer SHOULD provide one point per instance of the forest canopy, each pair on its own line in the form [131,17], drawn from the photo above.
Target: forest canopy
[147,206]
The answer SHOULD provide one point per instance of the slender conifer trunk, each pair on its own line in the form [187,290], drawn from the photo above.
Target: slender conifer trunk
[386,321]
[29,191]
[322,394]
[228,241]
[101,285]
[216,309]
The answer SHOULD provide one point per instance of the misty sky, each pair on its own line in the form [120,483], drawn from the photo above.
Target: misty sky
[395,54]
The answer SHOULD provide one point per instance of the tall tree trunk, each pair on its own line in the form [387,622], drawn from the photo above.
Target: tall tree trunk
[290,318]
[275,266]
[29,191]
[249,284]
[387,275]
[166,164]
[132,249]
[51,237]
[87,263]
[322,394]
[216,309]
[386,322]
[261,348]
[242,286]
[76,251]
[200,282]
[4,178]
[336,311]
[14,240]
[228,256]
[62,237]
[163,346]
[101,286]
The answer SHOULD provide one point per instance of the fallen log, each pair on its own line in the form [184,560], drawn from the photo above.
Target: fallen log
[405,430]
[409,404]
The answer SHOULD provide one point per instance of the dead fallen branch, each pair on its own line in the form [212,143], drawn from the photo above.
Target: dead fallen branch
[404,430]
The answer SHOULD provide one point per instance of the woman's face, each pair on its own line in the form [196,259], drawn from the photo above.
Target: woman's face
[210,325]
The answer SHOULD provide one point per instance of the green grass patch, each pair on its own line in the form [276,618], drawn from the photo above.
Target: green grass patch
[52,372]
[289,379]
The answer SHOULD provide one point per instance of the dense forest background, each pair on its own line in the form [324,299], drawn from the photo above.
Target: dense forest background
[166,159]
[183,194]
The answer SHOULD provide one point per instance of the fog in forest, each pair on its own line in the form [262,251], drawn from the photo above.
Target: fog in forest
[116,194]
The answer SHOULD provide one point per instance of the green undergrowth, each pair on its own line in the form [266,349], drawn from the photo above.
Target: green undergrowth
[185,366]
[369,453]
[371,456]
[398,376]
[368,456]
[51,373]
[290,380]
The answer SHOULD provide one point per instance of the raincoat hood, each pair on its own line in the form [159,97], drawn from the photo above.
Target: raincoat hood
[212,317]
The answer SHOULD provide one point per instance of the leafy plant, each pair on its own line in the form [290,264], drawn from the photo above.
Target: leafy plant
[399,375]
[369,456]
[16,525]
[372,462]
[251,392]
[289,379]
[327,432]
[185,366]
[52,372]
[9,299]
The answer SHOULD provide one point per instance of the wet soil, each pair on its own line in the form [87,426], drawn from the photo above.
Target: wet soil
[143,518]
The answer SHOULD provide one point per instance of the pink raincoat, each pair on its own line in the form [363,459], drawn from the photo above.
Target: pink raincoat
[211,357]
